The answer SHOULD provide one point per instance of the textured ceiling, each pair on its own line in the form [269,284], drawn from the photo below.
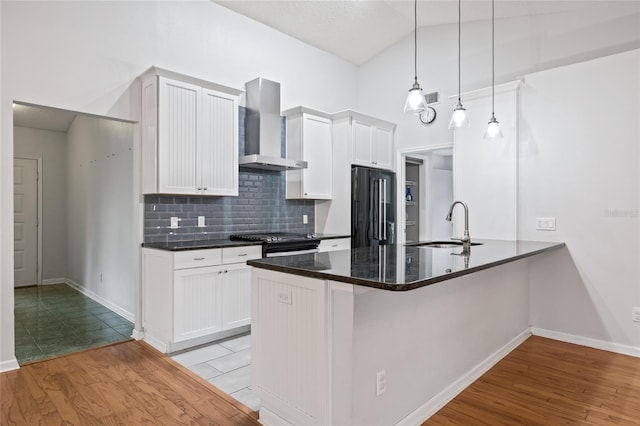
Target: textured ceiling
[359,30]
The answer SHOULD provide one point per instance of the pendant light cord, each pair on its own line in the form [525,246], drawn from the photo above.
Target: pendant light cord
[459,13]
[415,40]
[493,60]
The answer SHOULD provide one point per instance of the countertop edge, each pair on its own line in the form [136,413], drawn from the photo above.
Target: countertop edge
[399,287]
[229,244]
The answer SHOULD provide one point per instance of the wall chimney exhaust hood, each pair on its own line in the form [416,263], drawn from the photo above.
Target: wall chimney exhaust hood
[262,131]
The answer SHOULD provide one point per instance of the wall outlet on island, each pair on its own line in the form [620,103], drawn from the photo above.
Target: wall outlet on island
[635,314]
[381,382]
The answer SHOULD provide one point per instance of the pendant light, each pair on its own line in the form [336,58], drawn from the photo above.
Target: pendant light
[416,103]
[493,128]
[459,117]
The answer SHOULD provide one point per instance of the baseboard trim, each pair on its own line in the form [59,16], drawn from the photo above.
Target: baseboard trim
[9,365]
[155,343]
[51,281]
[430,407]
[587,341]
[137,334]
[101,300]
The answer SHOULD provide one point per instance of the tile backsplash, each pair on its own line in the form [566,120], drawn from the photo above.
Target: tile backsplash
[260,206]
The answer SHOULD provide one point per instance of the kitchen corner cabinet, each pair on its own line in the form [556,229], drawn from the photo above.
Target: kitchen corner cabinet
[309,139]
[189,135]
[370,140]
[196,296]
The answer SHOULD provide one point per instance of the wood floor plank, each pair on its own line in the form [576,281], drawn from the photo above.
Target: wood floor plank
[124,384]
[547,382]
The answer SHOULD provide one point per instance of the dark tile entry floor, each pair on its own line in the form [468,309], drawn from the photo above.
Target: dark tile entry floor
[55,319]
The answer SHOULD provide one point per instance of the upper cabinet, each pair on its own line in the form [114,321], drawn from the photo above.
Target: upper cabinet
[309,139]
[189,135]
[372,141]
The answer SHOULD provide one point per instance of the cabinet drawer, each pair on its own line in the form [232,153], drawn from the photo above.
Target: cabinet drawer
[197,258]
[334,244]
[241,254]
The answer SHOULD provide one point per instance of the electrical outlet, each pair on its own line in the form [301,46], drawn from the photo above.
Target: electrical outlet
[545,224]
[305,219]
[635,312]
[174,222]
[100,276]
[200,221]
[381,382]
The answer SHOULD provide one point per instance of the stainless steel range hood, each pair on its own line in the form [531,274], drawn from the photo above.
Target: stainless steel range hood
[262,131]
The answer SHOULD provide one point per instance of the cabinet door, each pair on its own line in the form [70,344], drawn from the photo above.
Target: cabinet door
[236,306]
[179,104]
[383,148]
[317,151]
[361,144]
[197,302]
[218,144]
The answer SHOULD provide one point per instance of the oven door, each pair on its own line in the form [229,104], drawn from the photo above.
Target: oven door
[291,253]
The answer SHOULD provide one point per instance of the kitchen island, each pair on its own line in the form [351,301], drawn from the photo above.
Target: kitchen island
[384,335]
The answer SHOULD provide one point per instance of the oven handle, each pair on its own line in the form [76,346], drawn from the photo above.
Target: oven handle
[291,253]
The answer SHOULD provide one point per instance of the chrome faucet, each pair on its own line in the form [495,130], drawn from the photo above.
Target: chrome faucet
[466,240]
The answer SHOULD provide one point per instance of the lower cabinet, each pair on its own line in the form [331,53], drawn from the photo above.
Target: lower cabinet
[186,303]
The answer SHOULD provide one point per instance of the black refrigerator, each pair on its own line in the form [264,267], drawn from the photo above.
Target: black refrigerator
[373,207]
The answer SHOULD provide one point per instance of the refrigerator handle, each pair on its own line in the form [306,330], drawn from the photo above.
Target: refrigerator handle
[384,210]
[380,209]
[376,227]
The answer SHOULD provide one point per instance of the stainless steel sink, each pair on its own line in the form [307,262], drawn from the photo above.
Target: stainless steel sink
[441,244]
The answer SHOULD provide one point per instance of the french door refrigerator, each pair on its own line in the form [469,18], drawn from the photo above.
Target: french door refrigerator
[372,207]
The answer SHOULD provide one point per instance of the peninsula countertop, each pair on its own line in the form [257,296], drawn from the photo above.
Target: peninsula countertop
[402,268]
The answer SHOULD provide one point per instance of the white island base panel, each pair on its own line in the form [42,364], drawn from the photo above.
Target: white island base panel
[319,347]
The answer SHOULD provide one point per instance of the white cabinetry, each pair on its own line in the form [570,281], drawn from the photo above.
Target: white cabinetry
[372,142]
[189,135]
[196,296]
[309,139]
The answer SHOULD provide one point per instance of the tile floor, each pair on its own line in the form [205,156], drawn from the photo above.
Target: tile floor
[226,365]
[52,320]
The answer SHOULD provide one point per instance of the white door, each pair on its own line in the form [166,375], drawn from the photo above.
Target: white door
[383,148]
[25,221]
[361,151]
[236,305]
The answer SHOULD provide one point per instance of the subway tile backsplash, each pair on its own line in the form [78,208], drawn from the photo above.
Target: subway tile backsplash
[260,206]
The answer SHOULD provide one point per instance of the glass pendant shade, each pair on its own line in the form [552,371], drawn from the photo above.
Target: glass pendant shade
[459,117]
[493,129]
[416,103]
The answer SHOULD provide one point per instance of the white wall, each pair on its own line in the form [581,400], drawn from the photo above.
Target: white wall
[51,146]
[523,45]
[580,163]
[84,56]
[99,205]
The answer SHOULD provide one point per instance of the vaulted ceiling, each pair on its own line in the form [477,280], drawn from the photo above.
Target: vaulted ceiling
[358,30]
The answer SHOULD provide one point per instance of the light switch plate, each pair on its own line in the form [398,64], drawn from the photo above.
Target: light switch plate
[174,222]
[545,224]
[200,221]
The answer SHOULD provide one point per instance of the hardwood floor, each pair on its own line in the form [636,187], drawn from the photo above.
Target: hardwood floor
[542,382]
[546,382]
[126,384]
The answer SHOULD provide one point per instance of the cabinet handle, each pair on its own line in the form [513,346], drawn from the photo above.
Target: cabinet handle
[219,272]
[242,254]
[305,194]
[335,245]
[198,258]
[205,188]
[226,272]
[199,188]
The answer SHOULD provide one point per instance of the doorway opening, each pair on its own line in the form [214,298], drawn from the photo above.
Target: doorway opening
[74,280]
[426,176]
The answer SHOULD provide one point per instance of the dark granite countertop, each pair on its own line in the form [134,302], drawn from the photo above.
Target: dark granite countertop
[330,236]
[401,268]
[220,243]
[199,244]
